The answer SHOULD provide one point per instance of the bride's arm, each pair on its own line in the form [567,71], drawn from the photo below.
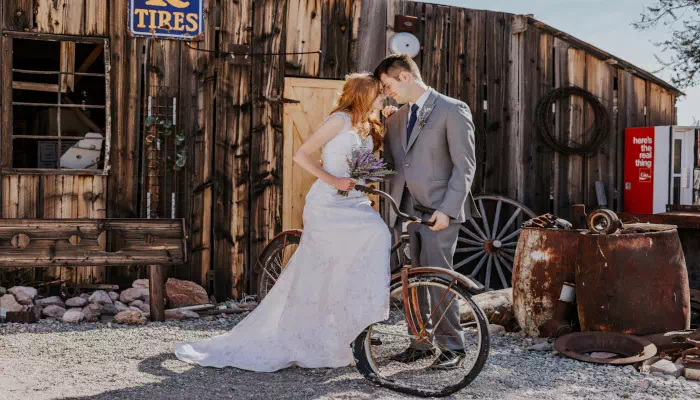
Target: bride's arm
[327,131]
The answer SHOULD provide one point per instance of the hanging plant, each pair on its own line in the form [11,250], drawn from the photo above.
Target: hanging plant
[180,138]
[150,121]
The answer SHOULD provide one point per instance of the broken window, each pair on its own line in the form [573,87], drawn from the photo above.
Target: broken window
[59,102]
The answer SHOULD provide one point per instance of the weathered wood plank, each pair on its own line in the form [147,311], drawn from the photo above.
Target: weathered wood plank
[303,32]
[599,82]
[67,54]
[267,135]
[6,124]
[434,63]
[65,17]
[475,88]
[577,77]
[620,122]
[497,75]
[562,199]
[370,31]
[20,195]
[538,81]
[145,242]
[18,14]
[96,18]
[232,155]
[336,35]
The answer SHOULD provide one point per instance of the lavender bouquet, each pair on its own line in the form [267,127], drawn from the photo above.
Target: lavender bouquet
[363,165]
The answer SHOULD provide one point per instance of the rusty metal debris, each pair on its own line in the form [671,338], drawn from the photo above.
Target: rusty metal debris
[692,355]
[630,349]
[548,221]
[604,221]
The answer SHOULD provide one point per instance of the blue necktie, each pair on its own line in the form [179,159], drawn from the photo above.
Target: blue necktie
[412,121]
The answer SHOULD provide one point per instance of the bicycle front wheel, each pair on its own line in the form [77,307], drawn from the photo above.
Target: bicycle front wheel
[380,350]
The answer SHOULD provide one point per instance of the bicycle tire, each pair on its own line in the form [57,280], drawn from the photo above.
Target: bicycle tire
[266,260]
[363,358]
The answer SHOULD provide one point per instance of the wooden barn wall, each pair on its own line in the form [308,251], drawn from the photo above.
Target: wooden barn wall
[230,191]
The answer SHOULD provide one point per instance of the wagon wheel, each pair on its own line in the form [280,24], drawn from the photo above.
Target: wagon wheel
[486,247]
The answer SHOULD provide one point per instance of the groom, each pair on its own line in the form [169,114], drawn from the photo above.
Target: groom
[430,143]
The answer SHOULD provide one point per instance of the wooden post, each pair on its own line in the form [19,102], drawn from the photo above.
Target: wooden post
[156,292]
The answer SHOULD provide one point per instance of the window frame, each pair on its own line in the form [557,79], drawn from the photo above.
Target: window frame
[7,119]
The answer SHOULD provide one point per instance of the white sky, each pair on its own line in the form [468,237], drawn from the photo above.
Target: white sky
[606,24]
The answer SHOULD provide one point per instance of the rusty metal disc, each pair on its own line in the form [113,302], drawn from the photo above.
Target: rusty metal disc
[631,349]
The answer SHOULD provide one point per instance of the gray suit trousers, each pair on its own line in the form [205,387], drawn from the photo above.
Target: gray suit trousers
[437,250]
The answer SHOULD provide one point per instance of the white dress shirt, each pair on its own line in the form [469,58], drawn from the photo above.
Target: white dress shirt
[420,102]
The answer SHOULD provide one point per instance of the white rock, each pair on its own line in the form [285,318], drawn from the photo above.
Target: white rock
[76,302]
[136,303]
[129,295]
[100,297]
[121,306]
[92,312]
[114,296]
[53,312]
[3,291]
[140,283]
[190,314]
[24,295]
[50,301]
[73,316]
[9,303]
[85,296]
[666,367]
[630,369]
[544,346]
[643,384]
[130,318]
[495,330]
[145,308]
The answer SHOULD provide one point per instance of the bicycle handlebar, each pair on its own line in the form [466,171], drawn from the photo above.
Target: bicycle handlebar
[394,206]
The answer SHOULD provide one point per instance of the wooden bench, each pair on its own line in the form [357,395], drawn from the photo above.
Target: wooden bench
[28,243]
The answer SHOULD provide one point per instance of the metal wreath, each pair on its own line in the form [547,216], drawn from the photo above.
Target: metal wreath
[601,127]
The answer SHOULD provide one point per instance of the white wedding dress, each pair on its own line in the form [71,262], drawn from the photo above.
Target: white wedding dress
[335,285]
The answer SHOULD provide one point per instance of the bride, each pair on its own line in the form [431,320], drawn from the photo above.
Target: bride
[337,282]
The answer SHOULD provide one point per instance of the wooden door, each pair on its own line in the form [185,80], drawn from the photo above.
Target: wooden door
[317,98]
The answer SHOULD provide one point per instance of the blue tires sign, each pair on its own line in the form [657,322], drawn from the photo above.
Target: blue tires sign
[166,19]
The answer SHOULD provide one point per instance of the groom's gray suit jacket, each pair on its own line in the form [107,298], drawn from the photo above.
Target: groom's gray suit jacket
[439,162]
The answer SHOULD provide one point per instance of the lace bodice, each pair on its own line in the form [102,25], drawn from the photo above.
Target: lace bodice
[336,151]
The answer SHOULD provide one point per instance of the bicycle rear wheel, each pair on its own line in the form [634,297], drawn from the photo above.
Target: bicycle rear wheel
[274,260]
[375,348]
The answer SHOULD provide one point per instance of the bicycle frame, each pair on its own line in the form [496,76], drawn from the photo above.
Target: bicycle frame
[405,270]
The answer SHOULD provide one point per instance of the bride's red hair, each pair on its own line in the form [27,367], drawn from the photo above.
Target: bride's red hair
[358,94]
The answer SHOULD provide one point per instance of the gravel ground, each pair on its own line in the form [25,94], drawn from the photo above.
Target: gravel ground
[99,361]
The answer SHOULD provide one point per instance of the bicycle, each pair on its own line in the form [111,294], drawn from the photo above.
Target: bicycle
[376,348]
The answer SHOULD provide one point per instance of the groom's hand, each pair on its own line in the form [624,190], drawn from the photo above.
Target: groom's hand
[441,220]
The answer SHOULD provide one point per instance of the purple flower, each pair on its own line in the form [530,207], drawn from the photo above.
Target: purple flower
[363,165]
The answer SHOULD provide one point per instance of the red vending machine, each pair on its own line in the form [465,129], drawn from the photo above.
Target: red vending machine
[662,166]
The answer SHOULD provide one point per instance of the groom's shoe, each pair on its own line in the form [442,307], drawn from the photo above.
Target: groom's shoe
[410,355]
[449,359]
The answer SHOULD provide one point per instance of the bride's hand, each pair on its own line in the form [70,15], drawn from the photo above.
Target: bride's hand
[344,184]
[388,110]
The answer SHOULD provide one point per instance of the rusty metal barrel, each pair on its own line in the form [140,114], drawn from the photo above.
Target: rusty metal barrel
[544,261]
[632,282]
